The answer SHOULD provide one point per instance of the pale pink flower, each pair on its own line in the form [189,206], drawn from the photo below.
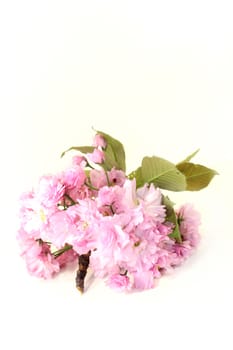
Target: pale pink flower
[50,190]
[107,195]
[163,259]
[98,178]
[28,245]
[165,228]
[44,265]
[112,238]
[86,217]
[151,200]
[77,193]
[119,282]
[177,253]
[129,198]
[189,224]
[110,246]
[109,198]
[120,199]
[116,177]
[73,177]
[79,161]
[143,280]
[33,216]
[99,141]
[182,250]
[129,219]
[39,260]
[67,257]
[97,156]
[61,229]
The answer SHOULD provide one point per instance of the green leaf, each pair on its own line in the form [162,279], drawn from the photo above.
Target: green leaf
[190,156]
[109,159]
[176,235]
[114,153]
[137,174]
[83,149]
[167,202]
[197,176]
[162,173]
[171,217]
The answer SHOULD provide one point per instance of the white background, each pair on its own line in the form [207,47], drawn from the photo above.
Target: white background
[158,75]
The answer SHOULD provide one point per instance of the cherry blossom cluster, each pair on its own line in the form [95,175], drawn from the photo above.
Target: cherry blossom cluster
[95,208]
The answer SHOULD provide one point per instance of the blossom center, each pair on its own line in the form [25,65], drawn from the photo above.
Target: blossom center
[42,216]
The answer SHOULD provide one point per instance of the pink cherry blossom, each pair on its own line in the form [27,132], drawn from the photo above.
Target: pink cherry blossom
[79,160]
[119,282]
[151,198]
[143,280]
[60,230]
[33,215]
[98,178]
[67,257]
[44,265]
[87,208]
[99,141]
[117,177]
[97,156]
[86,217]
[129,199]
[189,224]
[73,177]
[50,190]
[38,258]
[118,199]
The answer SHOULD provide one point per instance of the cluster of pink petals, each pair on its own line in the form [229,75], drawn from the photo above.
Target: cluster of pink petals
[125,228]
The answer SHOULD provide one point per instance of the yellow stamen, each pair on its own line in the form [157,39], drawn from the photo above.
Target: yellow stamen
[84,225]
[42,215]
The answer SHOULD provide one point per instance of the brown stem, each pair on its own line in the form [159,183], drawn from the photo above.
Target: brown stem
[83,263]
